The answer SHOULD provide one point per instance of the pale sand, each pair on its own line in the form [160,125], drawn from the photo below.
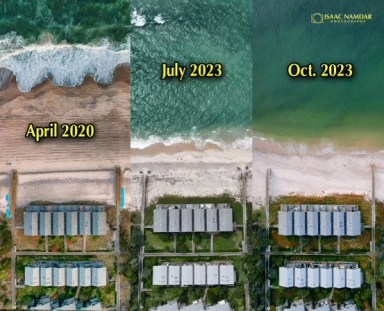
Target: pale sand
[4,190]
[183,170]
[107,107]
[61,187]
[313,173]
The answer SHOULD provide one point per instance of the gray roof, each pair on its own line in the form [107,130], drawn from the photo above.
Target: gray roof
[193,274]
[59,275]
[285,223]
[212,220]
[85,276]
[353,278]
[174,220]
[326,223]
[46,275]
[212,274]
[354,223]
[174,275]
[187,275]
[160,220]
[85,223]
[200,274]
[196,306]
[225,220]
[32,275]
[45,223]
[172,306]
[31,221]
[226,275]
[338,223]
[58,221]
[199,220]
[313,223]
[186,220]
[99,223]
[193,218]
[71,223]
[313,276]
[286,276]
[72,276]
[99,276]
[299,223]
[326,277]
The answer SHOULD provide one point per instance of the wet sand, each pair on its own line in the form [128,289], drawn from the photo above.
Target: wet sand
[106,106]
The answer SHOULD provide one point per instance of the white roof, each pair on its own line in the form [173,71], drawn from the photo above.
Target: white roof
[85,276]
[46,276]
[300,277]
[59,276]
[353,223]
[72,275]
[313,223]
[313,275]
[32,276]
[200,274]
[99,276]
[212,274]
[339,277]
[353,277]
[160,275]
[174,275]
[227,275]
[339,223]
[186,275]
[325,223]
[286,276]
[326,277]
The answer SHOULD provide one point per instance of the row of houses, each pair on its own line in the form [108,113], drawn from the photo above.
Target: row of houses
[72,274]
[58,223]
[196,306]
[194,274]
[71,304]
[184,218]
[325,275]
[315,220]
[323,305]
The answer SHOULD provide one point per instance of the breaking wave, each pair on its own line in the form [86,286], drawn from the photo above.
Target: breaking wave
[63,64]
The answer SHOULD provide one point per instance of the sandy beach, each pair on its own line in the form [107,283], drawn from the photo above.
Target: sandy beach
[184,170]
[314,171]
[106,106]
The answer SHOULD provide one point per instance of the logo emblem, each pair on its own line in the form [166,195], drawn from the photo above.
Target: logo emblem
[317,18]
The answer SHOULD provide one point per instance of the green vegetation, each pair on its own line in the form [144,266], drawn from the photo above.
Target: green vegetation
[228,242]
[71,21]
[202,242]
[5,278]
[5,237]
[158,242]
[380,255]
[131,266]
[184,243]
[254,262]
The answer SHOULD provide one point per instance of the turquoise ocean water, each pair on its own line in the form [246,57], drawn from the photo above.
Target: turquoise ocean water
[349,112]
[190,32]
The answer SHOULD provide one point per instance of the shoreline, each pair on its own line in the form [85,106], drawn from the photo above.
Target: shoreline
[314,173]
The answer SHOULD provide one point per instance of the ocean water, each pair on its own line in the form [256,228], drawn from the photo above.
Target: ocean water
[198,31]
[62,41]
[347,112]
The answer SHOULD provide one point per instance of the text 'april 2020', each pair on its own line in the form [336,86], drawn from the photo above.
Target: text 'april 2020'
[180,72]
[328,70]
[65,131]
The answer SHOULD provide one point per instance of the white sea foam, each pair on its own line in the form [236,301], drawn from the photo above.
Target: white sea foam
[241,143]
[159,19]
[137,19]
[64,65]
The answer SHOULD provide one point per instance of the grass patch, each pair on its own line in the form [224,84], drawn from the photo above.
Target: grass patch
[158,242]
[184,243]
[202,242]
[228,242]
[56,244]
